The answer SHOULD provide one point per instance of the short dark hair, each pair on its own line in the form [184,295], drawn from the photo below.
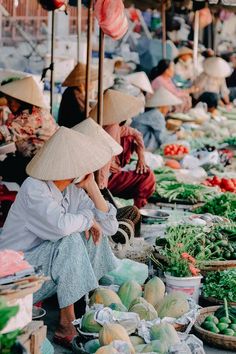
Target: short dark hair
[210,98]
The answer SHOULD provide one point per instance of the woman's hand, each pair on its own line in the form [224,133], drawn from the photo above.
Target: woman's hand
[141,166]
[87,183]
[96,232]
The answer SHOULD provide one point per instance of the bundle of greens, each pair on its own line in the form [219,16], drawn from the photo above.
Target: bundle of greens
[174,191]
[223,205]
[164,174]
[230,141]
[220,285]
[7,340]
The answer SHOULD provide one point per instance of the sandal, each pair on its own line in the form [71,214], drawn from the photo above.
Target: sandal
[65,342]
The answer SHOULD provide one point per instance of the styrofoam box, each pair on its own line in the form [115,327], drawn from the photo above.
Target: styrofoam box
[23,317]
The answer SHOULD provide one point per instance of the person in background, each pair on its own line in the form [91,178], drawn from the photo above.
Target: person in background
[162,76]
[138,184]
[62,224]
[212,79]
[29,126]
[231,80]
[72,106]
[152,123]
[212,100]
[184,67]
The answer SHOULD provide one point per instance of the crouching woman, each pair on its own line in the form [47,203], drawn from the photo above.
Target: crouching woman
[61,224]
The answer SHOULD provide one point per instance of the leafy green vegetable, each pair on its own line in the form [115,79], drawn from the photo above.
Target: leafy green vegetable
[223,205]
[221,285]
[183,191]
[6,312]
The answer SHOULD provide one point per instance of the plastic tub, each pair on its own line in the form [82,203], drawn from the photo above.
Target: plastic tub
[188,285]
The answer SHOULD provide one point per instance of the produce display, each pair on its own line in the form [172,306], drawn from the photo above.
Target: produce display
[175,150]
[7,340]
[220,285]
[230,141]
[164,174]
[223,205]
[225,184]
[185,192]
[222,322]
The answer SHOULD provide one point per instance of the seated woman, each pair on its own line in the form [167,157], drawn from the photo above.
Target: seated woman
[61,224]
[152,123]
[29,126]
[184,67]
[212,100]
[72,106]
[139,184]
[162,76]
[213,78]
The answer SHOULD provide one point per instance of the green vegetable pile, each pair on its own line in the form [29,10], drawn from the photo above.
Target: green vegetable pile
[222,322]
[230,140]
[222,205]
[7,340]
[174,191]
[220,285]
[164,174]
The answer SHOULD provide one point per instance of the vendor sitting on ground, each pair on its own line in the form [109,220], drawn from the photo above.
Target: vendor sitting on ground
[213,79]
[61,224]
[29,126]
[72,106]
[138,185]
[184,66]
[211,99]
[152,123]
[162,76]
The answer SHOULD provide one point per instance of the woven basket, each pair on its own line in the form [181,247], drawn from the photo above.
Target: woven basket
[139,251]
[216,340]
[217,265]
[214,301]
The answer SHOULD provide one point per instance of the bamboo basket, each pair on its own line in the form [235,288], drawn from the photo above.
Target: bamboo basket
[215,340]
[217,265]
[215,302]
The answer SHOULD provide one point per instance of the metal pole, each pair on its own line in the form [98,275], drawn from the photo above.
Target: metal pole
[100,77]
[163,17]
[89,55]
[195,42]
[52,61]
[79,16]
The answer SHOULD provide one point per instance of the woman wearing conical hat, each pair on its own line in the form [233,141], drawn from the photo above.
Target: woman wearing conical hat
[139,184]
[29,125]
[152,123]
[60,221]
[72,106]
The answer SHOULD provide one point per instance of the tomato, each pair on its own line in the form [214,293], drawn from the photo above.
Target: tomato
[216,180]
[228,185]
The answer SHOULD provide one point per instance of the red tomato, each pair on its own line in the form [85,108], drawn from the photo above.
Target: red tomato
[216,180]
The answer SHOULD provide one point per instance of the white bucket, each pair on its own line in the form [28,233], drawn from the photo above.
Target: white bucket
[187,285]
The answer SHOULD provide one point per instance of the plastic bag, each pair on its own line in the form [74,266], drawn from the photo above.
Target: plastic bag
[195,175]
[153,161]
[125,271]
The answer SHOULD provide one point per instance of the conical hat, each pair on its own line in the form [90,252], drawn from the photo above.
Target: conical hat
[68,154]
[91,128]
[118,107]
[185,51]
[78,76]
[141,81]
[162,97]
[216,67]
[26,90]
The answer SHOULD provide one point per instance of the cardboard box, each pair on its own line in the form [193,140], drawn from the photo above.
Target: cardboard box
[33,336]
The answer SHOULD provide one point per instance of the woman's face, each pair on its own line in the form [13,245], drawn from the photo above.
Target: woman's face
[186,57]
[171,70]
[13,104]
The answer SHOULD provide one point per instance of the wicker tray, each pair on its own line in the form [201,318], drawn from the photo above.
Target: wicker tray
[215,340]
[217,265]
[213,301]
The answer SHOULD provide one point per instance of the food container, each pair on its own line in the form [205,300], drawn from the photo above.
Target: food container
[187,285]
[154,214]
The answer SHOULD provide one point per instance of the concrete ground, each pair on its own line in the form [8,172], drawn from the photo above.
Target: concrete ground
[51,319]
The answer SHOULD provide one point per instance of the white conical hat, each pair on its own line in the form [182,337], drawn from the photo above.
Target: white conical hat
[68,154]
[118,107]
[78,76]
[217,67]
[185,51]
[91,128]
[141,81]
[162,97]
[26,90]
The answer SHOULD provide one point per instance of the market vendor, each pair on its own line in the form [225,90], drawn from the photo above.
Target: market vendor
[138,184]
[212,79]
[29,125]
[162,76]
[62,225]
[211,99]
[152,123]
[72,106]
[184,66]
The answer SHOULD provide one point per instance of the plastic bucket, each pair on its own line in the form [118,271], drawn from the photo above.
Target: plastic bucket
[188,285]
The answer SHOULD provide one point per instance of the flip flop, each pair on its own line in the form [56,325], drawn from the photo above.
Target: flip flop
[65,342]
